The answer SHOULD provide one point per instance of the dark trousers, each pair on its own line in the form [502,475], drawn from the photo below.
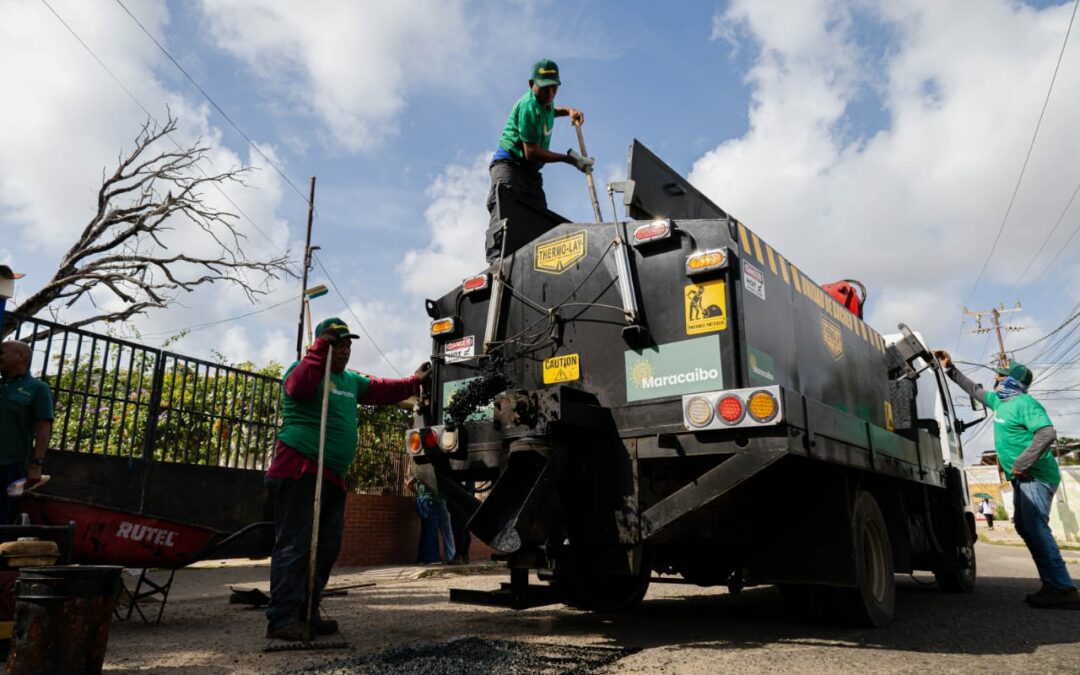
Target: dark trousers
[459,521]
[527,185]
[294,501]
[9,473]
[989,521]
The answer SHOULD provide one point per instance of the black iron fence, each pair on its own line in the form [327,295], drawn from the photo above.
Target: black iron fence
[116,397]
[119,398]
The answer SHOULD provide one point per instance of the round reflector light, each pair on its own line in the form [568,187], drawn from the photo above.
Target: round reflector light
[699,411]
[731,409]
[413,442]
[449,440]
[431,439]
[762,406]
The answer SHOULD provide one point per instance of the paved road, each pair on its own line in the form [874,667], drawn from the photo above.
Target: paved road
[678,629]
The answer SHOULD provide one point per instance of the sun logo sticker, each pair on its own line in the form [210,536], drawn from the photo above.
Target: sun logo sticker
[705,307]
[833,338]
[641,373]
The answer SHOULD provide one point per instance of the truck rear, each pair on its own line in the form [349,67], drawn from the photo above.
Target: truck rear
[669,398]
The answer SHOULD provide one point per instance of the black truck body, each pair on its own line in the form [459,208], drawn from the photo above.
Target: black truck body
[606,448]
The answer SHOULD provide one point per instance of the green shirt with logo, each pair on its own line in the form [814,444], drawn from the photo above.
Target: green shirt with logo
[529,122]
[24,401]
[1015,422]
[300,420]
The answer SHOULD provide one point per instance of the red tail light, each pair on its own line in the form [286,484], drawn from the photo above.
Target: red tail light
[658,229]
[730,408]
[431,439]
[477,283]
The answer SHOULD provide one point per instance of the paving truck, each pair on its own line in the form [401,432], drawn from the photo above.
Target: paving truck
[668,398]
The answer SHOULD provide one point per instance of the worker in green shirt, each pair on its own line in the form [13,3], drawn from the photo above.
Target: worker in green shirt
[1024,438]
[26,415]
[524,148]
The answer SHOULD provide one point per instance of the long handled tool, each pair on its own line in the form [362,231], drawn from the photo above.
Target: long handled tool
[588,175]
[318,499]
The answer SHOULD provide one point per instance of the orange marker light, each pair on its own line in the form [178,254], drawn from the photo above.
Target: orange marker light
[442,326]
[708,260]
[413,442]
[762,406]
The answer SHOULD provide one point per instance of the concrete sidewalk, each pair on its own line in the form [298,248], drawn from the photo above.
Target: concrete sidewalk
[1005,533]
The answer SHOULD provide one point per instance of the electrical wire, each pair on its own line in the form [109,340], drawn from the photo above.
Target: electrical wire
[1027,157]
[211,324]
[360,323]
[151,116]
[214,103]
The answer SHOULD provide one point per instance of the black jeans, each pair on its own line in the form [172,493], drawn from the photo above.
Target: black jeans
[293,502]
[527,185]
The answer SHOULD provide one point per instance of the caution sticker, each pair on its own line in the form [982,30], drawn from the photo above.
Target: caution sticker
[753,279]
[563,368]
[706,307]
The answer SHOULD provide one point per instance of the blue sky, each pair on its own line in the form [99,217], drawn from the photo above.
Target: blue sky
[880,141]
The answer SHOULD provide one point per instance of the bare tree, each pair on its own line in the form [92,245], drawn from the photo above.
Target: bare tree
[121,248]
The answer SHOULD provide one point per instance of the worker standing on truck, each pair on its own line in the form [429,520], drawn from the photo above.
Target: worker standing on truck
[524,147]
[1023,438]
[26,415]
[291,476]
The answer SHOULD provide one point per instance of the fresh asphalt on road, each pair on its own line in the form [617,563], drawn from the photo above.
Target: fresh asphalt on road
[677,629]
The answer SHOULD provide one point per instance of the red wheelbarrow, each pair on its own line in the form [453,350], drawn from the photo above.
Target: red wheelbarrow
[110,536]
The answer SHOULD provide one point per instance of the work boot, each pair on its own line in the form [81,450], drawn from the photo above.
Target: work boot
[292,632]
[1056,598]
[324,626]
[1043,591]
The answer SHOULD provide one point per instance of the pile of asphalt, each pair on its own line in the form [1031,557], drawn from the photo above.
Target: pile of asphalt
[474,655]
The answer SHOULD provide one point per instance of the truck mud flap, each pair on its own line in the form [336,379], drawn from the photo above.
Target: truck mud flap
[503,519]
[704,490]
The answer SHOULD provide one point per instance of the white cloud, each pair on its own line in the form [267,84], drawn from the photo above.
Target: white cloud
[910,209]
[350,64]
[457,219]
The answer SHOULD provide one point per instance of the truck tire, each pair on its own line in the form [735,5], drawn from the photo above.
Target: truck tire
[873,601]
[958,576]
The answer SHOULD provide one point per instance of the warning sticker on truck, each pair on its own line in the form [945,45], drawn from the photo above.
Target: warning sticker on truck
[753,279]
[706,307]
[833,337]
[460,350]
[556,256]
[562,368]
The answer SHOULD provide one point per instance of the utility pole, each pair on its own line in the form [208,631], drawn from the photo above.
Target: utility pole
[307,266]
[995,318]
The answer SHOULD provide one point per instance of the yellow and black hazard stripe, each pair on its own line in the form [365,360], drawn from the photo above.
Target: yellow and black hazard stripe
[752,245]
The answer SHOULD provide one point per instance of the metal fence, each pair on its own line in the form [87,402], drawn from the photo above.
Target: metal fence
[116,397]
[120,398]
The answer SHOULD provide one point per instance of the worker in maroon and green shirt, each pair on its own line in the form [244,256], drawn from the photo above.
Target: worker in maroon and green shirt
[524,148]
[1024,439]
[291,476]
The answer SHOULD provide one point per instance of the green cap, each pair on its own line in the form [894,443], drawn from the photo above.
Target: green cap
[545,73]
[339,327]
[1018,372]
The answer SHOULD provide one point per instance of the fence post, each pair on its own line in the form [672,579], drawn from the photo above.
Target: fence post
[156,386]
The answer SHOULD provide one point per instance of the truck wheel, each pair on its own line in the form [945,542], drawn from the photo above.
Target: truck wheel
[873,601]
[959,575]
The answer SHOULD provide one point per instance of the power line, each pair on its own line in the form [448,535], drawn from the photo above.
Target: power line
[1027,157]
[1046,241]
[213,102]
[353,314]
[1072,318]
[211,324]
[150,115]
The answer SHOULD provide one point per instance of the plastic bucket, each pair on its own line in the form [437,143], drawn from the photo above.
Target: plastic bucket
[62,617]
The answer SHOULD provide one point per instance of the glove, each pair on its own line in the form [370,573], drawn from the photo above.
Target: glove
[423,373]
[331,336]
[584,164]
